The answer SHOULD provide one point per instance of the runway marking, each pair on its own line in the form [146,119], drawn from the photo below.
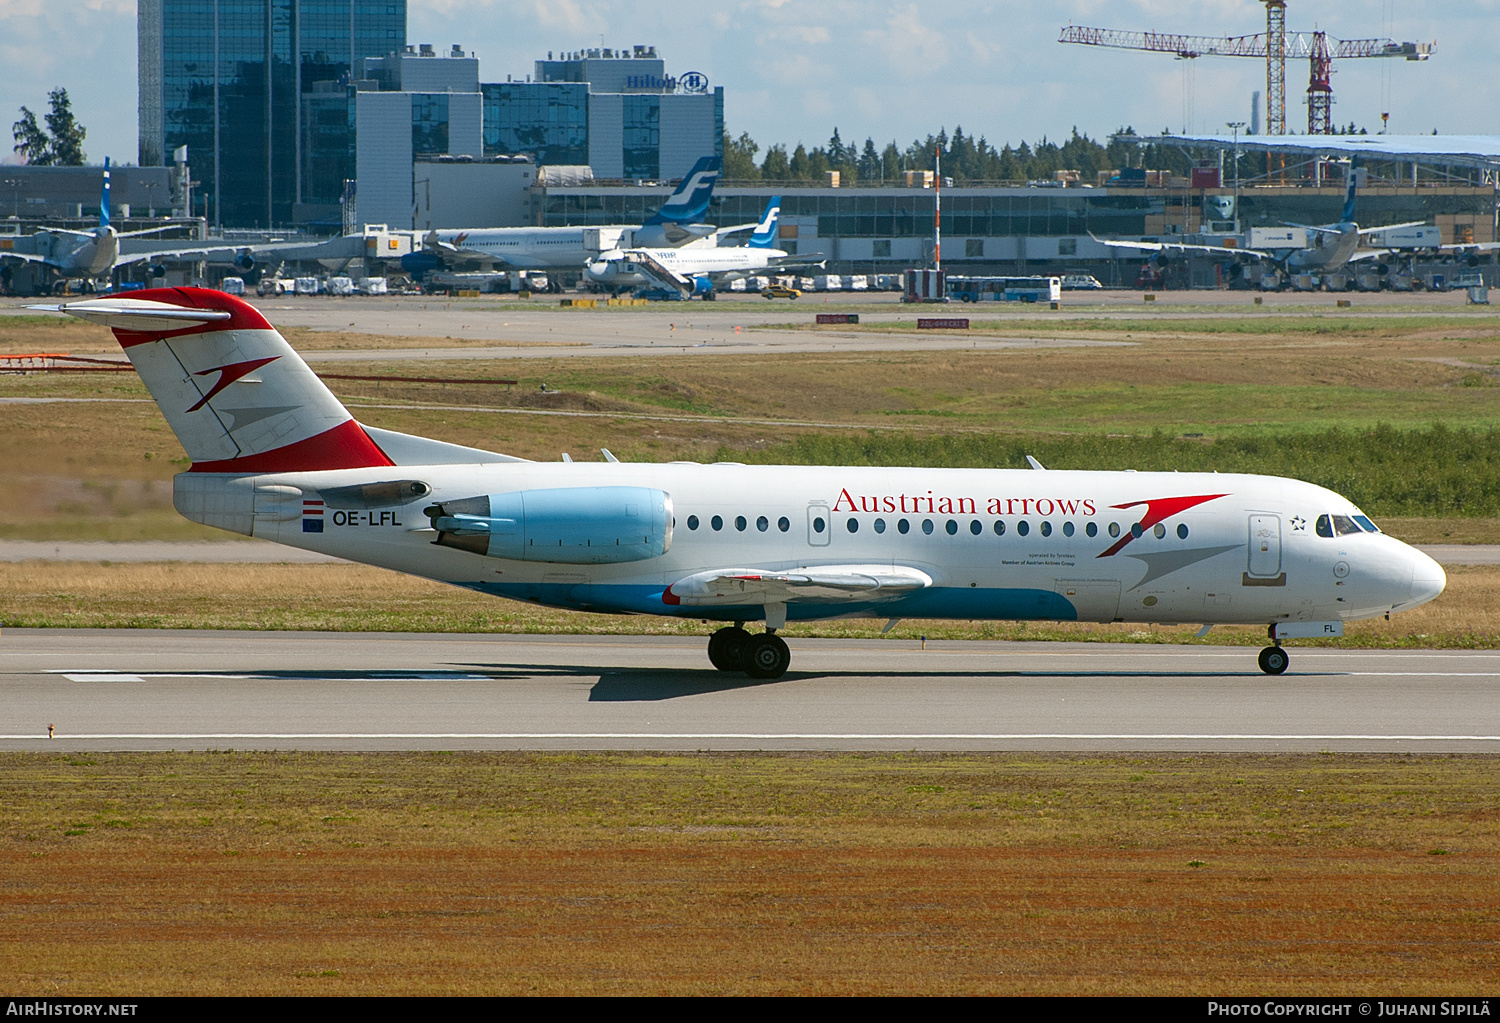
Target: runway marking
[824,736]
[440,676]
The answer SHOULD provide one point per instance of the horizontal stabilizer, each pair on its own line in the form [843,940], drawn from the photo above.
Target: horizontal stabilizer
[820,583]
[404,449]
[136,314]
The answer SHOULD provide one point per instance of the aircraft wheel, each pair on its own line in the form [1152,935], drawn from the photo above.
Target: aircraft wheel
[767,656]
[726,648]
[1273,660]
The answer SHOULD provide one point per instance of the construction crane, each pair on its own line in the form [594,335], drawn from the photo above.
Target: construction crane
[1274,45]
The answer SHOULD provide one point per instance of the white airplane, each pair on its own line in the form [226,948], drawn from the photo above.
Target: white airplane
[275,455]
[546,248]
[697,265]
[1332,247]
[95,254]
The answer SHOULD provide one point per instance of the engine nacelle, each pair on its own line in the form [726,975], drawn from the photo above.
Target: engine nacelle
[702,285]
[419,264]
[569,526]
[245,260]
[158,271]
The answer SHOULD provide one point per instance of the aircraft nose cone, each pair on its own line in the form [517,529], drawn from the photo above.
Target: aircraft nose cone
[1427,581]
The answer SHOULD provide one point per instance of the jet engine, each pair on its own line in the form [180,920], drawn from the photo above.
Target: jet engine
[157,270]
[245,260]
[570,526]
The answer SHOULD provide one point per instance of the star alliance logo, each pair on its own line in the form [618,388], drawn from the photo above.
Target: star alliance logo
[1299,524]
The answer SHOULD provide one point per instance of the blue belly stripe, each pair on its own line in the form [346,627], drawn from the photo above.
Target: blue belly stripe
[947,602]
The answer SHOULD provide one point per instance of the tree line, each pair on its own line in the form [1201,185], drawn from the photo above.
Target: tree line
[60,143]
[965,158]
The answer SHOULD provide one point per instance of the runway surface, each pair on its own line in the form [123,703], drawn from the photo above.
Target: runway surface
[147,689]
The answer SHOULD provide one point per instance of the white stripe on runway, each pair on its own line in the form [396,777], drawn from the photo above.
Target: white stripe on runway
[828,736]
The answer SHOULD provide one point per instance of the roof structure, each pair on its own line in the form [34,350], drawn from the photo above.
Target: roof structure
[1459,150]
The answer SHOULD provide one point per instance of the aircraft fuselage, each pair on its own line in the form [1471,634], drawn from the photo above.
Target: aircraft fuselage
[996,544]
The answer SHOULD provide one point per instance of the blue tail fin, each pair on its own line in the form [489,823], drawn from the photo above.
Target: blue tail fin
[764,235]
[104,198]
[1347,217]
[689,202]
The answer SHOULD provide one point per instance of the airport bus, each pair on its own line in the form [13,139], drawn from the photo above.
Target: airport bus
[1005,289]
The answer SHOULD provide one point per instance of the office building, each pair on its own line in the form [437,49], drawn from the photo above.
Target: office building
[409,107]
[256,89]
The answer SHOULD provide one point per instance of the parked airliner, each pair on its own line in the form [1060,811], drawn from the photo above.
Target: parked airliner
[95,254]
[703,265]
[549,248]
[1332,247]
[275,455]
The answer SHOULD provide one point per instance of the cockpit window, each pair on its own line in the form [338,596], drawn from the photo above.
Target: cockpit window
[1343,525]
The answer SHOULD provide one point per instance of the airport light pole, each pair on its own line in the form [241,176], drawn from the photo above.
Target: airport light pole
[1235,126]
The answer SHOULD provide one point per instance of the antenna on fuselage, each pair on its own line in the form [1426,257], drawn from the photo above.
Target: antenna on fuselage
[1035,464]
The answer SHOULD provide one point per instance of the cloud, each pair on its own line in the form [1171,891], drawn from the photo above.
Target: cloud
[911,43]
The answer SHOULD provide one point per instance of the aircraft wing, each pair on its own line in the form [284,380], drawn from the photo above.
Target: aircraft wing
[820,583]
[1390,227]
[1456,249]
[217,253]
[28,257]
[769,270]
[1212,250]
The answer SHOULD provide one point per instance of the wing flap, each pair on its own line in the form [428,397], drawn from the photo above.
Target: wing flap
[821,583]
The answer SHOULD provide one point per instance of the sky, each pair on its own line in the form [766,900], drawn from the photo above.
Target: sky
[793,70]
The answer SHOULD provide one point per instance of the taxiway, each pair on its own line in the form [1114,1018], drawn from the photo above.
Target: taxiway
[146,690]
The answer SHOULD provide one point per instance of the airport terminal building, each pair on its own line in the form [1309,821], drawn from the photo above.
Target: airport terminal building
[1019,229]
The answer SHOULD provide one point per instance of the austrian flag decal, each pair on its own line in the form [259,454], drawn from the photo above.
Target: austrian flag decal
[312,516]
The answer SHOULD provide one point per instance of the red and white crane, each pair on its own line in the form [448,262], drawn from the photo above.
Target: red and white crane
[1274,45]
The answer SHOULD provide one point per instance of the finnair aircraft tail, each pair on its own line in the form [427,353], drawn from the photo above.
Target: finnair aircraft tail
[104,198]
[689,202]
[1347,216]
[764,235]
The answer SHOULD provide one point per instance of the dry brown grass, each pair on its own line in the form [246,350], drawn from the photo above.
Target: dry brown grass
[748,874]
[358,598]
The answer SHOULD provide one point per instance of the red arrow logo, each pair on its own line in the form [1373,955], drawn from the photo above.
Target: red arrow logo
[228,375]
[1158,509]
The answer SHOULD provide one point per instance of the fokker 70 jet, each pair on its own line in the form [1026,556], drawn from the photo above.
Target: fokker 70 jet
[275,455]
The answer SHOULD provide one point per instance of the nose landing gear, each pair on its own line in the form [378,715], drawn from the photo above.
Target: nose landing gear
[763,656]
[1273,660]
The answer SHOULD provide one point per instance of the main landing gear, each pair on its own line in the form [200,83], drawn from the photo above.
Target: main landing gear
[762,656]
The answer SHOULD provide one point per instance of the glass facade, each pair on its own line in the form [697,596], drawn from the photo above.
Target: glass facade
[238,83]
[327,145]
[548,121]
[889,213]
[642,136]
[429,124]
